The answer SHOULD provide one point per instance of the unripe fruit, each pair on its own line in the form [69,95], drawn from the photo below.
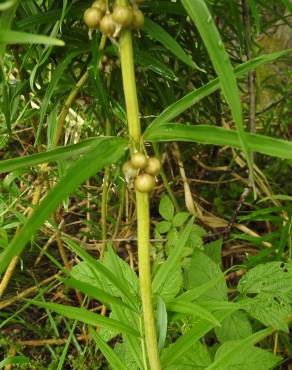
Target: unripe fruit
[107,25]
[139,160]
[138,19]
[153,166]
[129,170]
[123,15]
[92,18]
[99,4]
[144,183]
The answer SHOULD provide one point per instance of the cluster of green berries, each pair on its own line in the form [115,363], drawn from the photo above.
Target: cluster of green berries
[98,16]
[143,169]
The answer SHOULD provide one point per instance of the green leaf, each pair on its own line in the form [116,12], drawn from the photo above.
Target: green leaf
[121,285]
[162,227]
[171,287]
[15,37]
[213,250]
[87,317]
[158,33]
[105,152]
[201,270]
[274,278]
[173,259]
[94,292]
[13,361]
[194,293]
[148,61]
[249,358]
[206,134]
[108,352]
[180,218]
[195,358]
[235,327]
[193,97]
[161,322]
[229,357]
[199,13]
[166,208]
[124,353]
[189,308]
[270,310]
[61,153]
[186,341]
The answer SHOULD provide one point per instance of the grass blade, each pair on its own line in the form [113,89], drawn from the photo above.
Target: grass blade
[206,134]
[107,351]
[193,97]
[54,155]
[190,308]
[159,34]
[94,292]
[202,18]
[105,152]
[87,317]
[16,37]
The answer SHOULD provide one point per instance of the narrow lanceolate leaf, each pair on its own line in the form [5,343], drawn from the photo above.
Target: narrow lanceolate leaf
[206,134]
[87,317]
[16,37]
[159,34]
[61,153]
[194,97]
[189,308]
[106,151]
[108,352]
[201,16]
[229,355]
[94,292]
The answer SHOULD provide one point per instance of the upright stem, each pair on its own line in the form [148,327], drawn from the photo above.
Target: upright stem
[129,84]
[142,200]
[143,221]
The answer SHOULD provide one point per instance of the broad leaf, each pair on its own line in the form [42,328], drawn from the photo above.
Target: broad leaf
[173,259]
[241,354]
[201,270]
[236,326]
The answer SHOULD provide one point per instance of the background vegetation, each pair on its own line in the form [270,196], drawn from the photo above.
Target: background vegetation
[220,213]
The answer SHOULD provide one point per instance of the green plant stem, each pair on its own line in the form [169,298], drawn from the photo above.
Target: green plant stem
[143,225]
[142,200]
[129,84]
[66,107]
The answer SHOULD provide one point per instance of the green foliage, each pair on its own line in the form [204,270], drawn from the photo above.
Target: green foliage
[195,61]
